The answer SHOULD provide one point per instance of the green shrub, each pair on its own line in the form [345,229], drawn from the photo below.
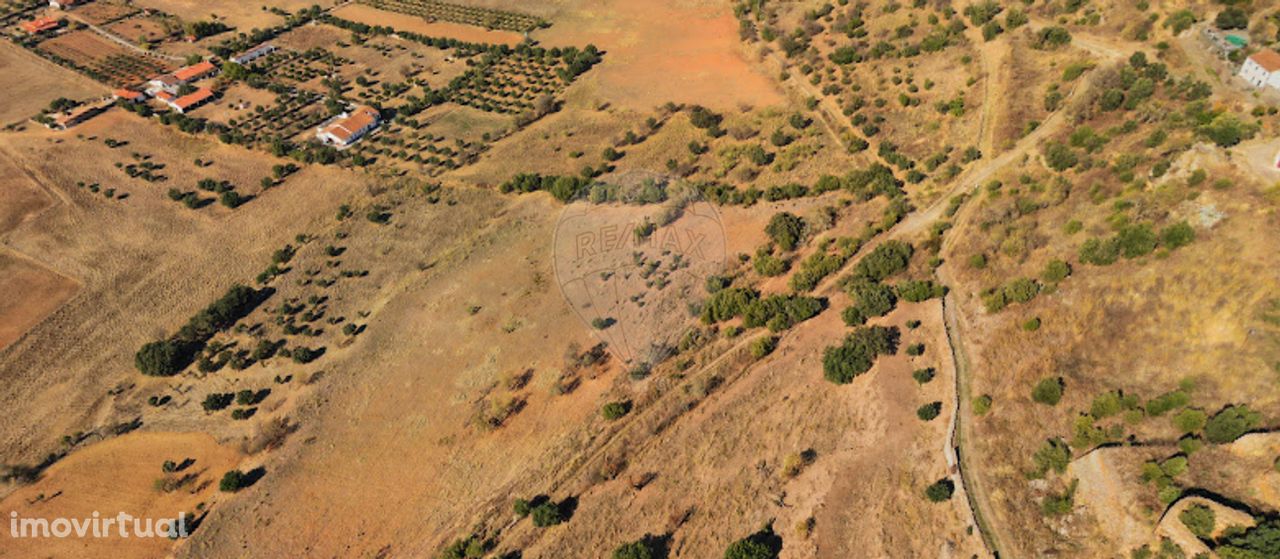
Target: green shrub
[1258,542]
[915,350]
[522,507]
[1055,271]
[940,490]
[1055,455]
[869,300]
[750,547]
[1174,467]
[1190,421]
[982,404]
[1048,391]
[1105,405]
[1230,424]
[923,376]
[1020,290]
[615,410]
[769,265]
[1177,235]
[887,259]
[842,363]
[161,359]
[232,481]
[1059,157]
[1163,403]
[1059,504]
[1032,324]
[786,230]
[930,411]
[546,515]
[760,347]
[217,401]
[641,549]
[915,291]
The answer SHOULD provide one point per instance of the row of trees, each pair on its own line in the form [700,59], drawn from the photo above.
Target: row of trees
[169,356]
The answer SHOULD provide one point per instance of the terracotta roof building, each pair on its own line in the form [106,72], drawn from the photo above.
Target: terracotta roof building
[129,95]
[1262,69]
[40,25]
[195,71]
[348,128]
[186,102]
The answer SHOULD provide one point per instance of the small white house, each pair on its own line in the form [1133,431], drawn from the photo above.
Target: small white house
[1262,69]
[348,128]
[253,54]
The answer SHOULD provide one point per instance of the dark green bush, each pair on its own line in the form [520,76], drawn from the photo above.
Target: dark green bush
[842,363]
[1048,391]
[940,491]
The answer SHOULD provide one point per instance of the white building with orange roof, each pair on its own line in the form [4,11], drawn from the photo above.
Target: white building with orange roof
[1262,69]
[347,128]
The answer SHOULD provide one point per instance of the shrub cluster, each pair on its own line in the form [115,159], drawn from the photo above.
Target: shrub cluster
[842,363]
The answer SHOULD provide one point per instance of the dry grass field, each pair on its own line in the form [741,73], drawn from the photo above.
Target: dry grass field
[28,80]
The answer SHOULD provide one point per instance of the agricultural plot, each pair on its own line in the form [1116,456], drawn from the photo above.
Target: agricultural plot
[432,154]
[101,59]
[145,29]
[299,67]
[509,84]
[432,10]
[293,113]
[102,13]
[13,11]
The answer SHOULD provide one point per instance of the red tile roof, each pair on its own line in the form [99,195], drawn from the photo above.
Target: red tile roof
[40,25]
[128,94]
[194,71]
[358,120]
[1268,59]
[191,99]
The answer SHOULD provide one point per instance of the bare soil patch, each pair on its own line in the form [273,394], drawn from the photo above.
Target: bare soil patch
[34,292]
[655,52]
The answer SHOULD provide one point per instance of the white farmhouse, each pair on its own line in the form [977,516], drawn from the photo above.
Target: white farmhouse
[347,128]
[253,54]
[1262,69]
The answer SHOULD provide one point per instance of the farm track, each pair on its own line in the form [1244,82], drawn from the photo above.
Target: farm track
[961,437]
[125,43]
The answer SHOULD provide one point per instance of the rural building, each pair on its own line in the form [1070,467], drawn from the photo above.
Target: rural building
[1224,43]
[40,25]
[63,121]
[167,83]
[348,128]
[129,95]
[1262,69]
[253,54]
[186,102]
[62,4]
[194,72]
